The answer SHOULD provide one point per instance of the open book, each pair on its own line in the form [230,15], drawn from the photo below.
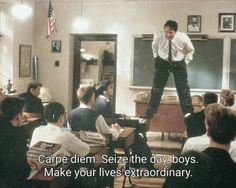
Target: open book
[48,151]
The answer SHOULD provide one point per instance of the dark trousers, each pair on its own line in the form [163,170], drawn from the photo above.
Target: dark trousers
[179,70]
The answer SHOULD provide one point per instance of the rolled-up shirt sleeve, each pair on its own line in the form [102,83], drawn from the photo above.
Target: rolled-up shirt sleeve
[189,50]
[103,128]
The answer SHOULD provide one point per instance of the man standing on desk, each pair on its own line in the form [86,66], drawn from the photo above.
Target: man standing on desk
[172,51]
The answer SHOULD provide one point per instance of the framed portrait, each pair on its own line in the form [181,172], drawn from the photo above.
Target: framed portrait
[56,46]
[25,61]
[194,23]
[226,22]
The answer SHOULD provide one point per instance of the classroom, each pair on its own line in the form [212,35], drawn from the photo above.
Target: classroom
[116,79]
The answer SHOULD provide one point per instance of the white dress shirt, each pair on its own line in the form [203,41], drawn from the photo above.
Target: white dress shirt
[71,145]
[101,124]
[200,143]
[181,48]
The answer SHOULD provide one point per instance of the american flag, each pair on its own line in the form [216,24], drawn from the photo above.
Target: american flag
[51,19]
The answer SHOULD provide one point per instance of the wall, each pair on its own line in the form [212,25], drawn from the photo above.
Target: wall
[117,17]
[14,33]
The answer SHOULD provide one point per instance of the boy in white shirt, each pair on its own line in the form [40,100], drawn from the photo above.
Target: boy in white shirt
[54,114]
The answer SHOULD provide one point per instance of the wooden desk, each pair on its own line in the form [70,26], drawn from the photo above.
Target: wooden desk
[169,117]
[134,123]
[125,141]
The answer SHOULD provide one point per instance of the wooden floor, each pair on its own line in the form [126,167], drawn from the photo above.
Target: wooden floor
[168,147]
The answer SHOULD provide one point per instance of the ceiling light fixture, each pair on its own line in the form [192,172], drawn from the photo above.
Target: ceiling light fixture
[81,23]
[21,11]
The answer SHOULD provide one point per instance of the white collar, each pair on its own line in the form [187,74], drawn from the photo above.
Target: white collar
[104,97]
[82,105]
[53,125]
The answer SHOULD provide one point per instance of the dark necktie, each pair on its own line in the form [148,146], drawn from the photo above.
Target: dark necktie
[170,52]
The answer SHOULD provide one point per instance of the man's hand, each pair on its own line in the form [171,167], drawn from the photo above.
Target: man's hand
[34,165]
[116,127]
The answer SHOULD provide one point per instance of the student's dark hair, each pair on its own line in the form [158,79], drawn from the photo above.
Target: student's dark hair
[221,123]
[33,85]
[201,171]
[84,94]
[11,106]
[210,98]
[53,111]
[172,24]
[103,86]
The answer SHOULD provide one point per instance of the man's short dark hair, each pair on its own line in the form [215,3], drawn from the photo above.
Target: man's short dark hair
[33,85]
[171,24]
[103,86]
[53,111]
[210,98]
[11,106]
[84,94]
[221,123]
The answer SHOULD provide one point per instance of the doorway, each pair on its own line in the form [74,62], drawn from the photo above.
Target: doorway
[94,60]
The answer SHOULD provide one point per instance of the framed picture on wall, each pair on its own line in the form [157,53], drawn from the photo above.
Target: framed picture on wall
[25,61]
[56,46]
[226,22]
[194,23]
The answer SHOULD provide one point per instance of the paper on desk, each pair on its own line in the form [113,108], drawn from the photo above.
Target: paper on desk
[140,120]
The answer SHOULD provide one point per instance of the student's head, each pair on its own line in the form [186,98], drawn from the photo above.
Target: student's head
[105,87]
[201,171]
[11,109]
[170,29]
[227,97]
[209,98]
[220,123]
[34,88]
[54,113]
[86,95]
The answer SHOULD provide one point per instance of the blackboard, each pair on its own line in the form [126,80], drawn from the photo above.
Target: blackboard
[205,71]
[232,76]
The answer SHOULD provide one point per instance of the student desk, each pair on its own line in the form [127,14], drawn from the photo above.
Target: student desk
[169,117]
[125,141]
[134,122]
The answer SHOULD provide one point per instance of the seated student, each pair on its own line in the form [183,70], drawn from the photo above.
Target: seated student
[33,104]
[227,98]
[202,173]
[54,114]
[195,122]
[103,105]
[220,125]
[200,143]
[15,167]
[84,118]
